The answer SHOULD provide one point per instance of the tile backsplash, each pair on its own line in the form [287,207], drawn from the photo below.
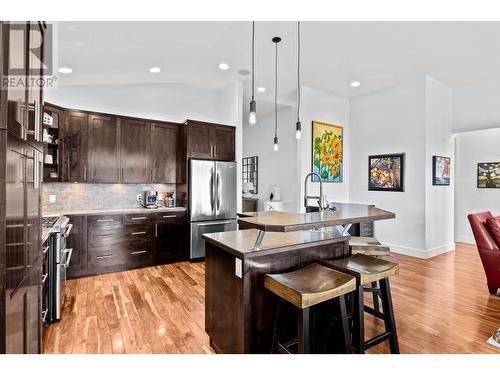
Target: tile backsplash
[96,195]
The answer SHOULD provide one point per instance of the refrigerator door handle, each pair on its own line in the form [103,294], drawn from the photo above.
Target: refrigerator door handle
[218,179]
[212,189]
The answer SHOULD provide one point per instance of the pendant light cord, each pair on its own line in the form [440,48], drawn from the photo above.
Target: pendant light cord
[253,60]
[298,71]
[276,93]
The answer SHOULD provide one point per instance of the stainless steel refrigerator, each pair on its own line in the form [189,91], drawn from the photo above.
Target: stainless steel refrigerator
[211,201]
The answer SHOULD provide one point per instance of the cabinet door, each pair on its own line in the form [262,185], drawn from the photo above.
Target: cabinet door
[73,137]
[17,68]
[77,240]
[104,162]
[135,151]
[164,153]
[199,140]
[35,72]
[223,143]
[170,235]
[33,207]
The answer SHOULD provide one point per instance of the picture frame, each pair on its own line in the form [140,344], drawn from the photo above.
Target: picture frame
[327,152]
[488,175]
[441,167]
[386,172]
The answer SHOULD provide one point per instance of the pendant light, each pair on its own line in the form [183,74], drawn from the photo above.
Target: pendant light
[298,125]
[276,40]
[252,118]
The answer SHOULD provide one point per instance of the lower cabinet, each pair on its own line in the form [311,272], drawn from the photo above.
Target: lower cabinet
[110,243]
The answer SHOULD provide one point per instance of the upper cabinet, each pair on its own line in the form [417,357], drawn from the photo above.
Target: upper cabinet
[135,149]
[104,149]
[35,72]
[73,142]
[165,153]
[96,147]
[210,141]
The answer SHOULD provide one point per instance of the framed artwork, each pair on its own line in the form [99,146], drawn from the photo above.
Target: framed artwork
[327,152]
[488,175]
[441,170]
[386,172]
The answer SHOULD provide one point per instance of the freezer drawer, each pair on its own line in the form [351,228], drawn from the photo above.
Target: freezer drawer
[197,244]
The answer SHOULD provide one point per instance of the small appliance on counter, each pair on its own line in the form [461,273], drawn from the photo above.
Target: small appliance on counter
[170,200]
[149,199]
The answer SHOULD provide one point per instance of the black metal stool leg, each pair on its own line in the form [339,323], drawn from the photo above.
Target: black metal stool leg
[344,322]
[303,339]
[390,321]
[376,305]
[359,321]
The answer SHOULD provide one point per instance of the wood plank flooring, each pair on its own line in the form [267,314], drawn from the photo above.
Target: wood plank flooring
[442,305]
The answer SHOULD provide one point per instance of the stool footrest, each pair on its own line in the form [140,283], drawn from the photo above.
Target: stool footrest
[374,312]
[377,340]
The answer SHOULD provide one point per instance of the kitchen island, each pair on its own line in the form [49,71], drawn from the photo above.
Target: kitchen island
[239,311]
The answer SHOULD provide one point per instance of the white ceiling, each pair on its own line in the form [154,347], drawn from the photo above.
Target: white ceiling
[379,54]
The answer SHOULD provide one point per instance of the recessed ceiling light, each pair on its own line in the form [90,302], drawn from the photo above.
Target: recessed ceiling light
[355,84]
[154,69]
[64,70]
[261,89]
[223,66]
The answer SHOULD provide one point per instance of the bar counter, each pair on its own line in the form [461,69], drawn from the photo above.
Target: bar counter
[239,311]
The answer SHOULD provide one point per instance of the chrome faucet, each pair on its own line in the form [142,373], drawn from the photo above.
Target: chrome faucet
[307,197]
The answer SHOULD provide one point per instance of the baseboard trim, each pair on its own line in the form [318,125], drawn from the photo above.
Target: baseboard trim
[465,239]
[420,253]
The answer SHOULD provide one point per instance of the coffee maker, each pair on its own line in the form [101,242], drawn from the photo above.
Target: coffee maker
[149,199]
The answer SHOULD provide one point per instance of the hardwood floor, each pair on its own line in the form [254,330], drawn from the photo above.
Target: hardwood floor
[442,305]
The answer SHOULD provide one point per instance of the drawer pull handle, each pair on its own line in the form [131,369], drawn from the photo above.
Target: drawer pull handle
[169,216]
[137,233]
[104,220]
[44,278]
[104,256]
[139,218]
[44,315]
[138,252]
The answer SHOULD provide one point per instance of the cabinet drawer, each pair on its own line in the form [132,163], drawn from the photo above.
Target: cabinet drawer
[135,218]
[135,232]
[120,257]
[177,217]
[104,220]
[105,236]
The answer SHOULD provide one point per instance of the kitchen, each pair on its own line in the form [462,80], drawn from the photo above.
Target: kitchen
[154,209]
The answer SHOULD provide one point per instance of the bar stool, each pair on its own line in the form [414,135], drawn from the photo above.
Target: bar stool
[372,247]
[305,288]
[368,269]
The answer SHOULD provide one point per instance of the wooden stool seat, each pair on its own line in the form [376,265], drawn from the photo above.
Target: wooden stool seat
[365,268]
[368,246]
[310,285]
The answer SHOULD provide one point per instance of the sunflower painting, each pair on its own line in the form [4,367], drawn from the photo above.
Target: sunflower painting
[327,151]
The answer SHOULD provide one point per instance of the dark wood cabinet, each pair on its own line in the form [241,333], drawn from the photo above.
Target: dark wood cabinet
[210,141]
[20,175]
[103,154]
[170,237]
[135,149]
[165,153]
[223,143]
[77,240]
[249,204]
[73,138]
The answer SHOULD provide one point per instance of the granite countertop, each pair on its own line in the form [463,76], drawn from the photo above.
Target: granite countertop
[100,211]
[346,213]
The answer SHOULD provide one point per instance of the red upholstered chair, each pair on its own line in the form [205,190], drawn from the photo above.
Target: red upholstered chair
[489,250]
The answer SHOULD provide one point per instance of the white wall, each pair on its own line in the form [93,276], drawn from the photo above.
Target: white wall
[167,102]
[475,107]
[439,200]
[320,106]
[472,148]
[392,121]
[274,167]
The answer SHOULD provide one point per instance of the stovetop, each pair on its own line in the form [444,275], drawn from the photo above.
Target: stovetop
[49,221]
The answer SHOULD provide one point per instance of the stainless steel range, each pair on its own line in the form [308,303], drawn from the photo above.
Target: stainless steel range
[59,258]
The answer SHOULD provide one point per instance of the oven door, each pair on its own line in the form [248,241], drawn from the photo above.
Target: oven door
[61,279]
